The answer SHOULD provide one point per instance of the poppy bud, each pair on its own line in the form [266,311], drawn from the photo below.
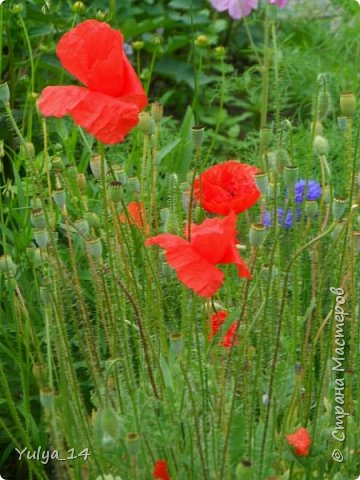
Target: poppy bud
[220,52]
[59,197]
[257,234]
[101,15]
[290,175]
[78,7]
[41,237]
[96,166]
[37,218]
[4,94]
[164,214]
[82,227]
[262,182]
[120,175]
[176,342]
[338,207]
[109,427]
[28,149]
[93,219]
[356,237]
[317,127]
[7,265]
[94,247]
[311,208]
[324,103]
[265,136]
[197,135]
[81,181]
[39,373]
[342,123]
[133,443]
[244,471]
[201,40]
[146,123]
[115,192]
[157,111]
[47,397]
[321,146]
[171,223]
[2,151]
[134,184]
[138,45]
[347,104]
[281,159]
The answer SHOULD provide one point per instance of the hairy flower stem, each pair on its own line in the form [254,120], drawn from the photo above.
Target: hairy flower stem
[265,71]
[278,338]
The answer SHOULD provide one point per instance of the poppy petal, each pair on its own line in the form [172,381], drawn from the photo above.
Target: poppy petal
[92,52]
[211,239]
[106,118]
[191,268]
[132,91]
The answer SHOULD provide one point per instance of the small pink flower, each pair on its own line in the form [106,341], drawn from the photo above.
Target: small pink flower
[279,3]
[236,8]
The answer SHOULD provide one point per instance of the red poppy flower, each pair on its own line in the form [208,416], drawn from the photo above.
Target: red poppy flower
[300,440]
[212,242]
[226,187]
[160,470]
[217,320]
[109,104]
[136,216]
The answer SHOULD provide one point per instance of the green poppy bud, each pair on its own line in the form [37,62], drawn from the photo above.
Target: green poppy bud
[321,146]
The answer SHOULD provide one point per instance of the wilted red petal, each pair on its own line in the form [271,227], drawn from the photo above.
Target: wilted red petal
[226,187]
[107,118]
[160,470]
[300,440]
[191,268]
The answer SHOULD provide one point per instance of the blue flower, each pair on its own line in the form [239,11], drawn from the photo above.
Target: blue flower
[288,222]
[313,190]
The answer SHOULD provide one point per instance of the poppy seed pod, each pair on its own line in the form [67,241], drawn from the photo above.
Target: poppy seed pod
[37,218]
[338,207]
[197,132]
[71,171]
[262,182]
[93,219]
[282,159]
[290,174]
[96,166]
[59,197]
[133,443]
[157,111]
[347,104]
[321,145]
[58,163]
[356,237]
[265,136]
[244,471]
[115,192]
[120,175]
[311,208]
[94,247]
[7,265]
[134,184]
[82,227]
[257,234]
[176,342]
[146,123]
[47,396]
[41,237]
